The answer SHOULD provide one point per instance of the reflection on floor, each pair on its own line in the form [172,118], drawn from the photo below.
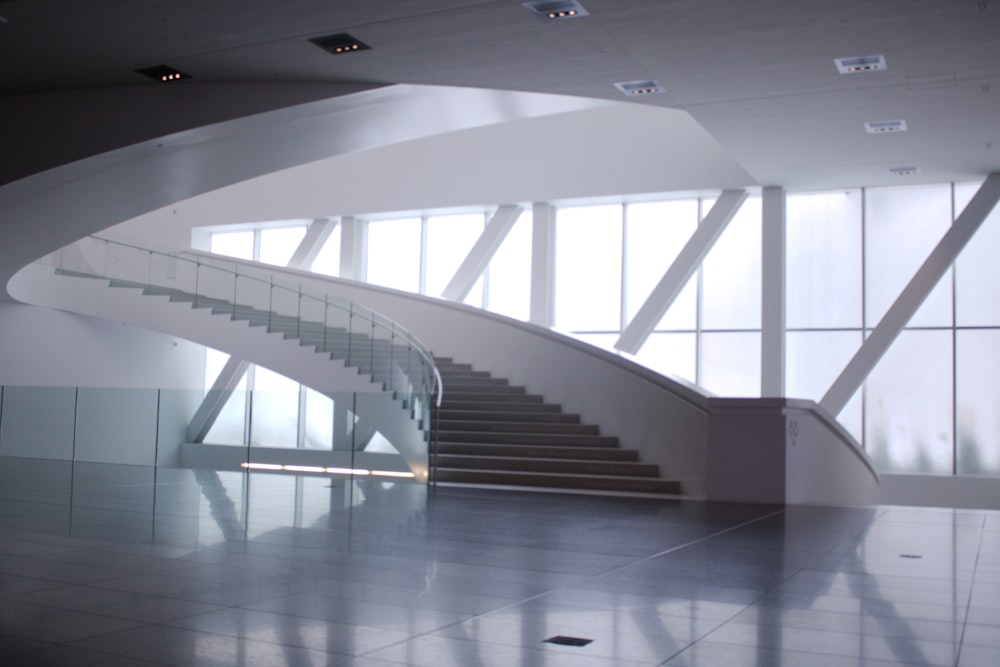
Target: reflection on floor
[118,565]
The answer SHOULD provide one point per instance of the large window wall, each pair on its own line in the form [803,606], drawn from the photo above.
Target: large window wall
[927,407]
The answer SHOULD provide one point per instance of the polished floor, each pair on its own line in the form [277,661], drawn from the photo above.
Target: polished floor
[117,565]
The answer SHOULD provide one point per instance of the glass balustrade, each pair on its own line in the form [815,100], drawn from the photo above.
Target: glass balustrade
[361,338]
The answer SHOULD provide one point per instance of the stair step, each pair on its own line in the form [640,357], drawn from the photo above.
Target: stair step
[573,440]
[534,405]
[480,426]
[452,396]
[497,415]
[550,480]
[538,451]
[553,465]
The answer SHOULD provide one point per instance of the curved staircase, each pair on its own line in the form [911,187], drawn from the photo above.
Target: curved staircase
[492,433]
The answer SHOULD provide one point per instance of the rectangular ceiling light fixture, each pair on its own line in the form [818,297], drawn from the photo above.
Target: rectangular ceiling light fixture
[341,42]
[859,64]
[163,73]
[548,10]
[904,171]
[885,126]
[642,87]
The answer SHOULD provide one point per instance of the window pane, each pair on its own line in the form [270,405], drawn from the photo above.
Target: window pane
[319,420]
[278,245]
[823,259]
[657,231]
[670,354]
[731,364]
[327,261]
[588,268]
[908,405]
[977,397]
[510,274]
[449,239]
[902,226]
[731,273]
[394,253]
[977,272]
[233,244]
[274,420]
[813,361]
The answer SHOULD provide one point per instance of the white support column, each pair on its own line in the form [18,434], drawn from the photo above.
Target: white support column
[677,276]
[481,253]
[215,399]
[316,235]
[543,243]
[913,295]
[772,338]
[353,248]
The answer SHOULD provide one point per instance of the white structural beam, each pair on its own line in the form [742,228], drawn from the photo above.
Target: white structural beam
[481,253]
[316,235]
[353,248]
[210,408]
[772,339]
[677,276]
[913,295]
[543,241]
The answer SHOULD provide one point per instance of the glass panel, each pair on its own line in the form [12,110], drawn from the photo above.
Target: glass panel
[671,354]
[731,364]
[449,240]
[902,226]
[233,244]
[731,273]
[275,410]
[908,405]
[814,359]
[394,253]
[977,270]
[319,420]
[509,272]
[279,244]
[977,397]
[230,426]
[657,231]
[327,261]
[588,268]
[823,260]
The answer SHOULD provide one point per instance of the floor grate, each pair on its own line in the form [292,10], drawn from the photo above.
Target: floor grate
[567,641]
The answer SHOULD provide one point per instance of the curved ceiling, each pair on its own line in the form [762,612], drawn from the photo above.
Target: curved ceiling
[758,76]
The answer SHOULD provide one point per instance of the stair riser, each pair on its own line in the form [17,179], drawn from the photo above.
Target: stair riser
[516,427]
[542,439]
[596,483]
[548,466]
[498,416]
[537,451]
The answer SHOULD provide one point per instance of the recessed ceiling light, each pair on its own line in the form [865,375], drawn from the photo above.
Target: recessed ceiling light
[342,42]
[904,171]
[548,10]
[163,73]
[641,87]
[860,64]
[884,126]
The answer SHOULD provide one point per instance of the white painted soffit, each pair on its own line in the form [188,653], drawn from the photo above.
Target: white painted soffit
[597,151]
[46,211]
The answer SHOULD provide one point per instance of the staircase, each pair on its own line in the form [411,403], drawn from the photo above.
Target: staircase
[492,433]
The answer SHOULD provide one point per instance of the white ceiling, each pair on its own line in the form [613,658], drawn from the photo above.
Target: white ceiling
[758,76]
